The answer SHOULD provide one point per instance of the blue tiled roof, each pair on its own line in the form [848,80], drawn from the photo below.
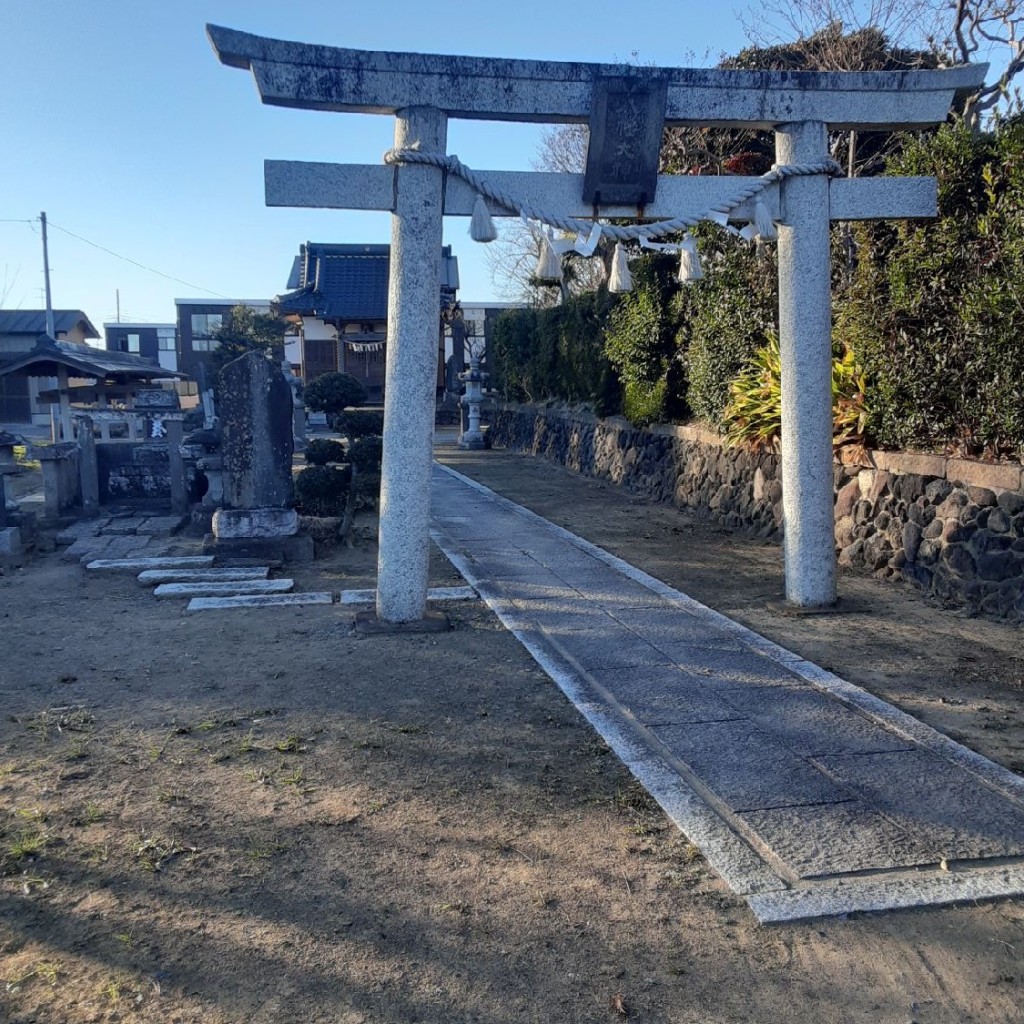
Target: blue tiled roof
[345,282]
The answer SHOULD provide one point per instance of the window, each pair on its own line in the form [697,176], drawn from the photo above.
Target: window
[133,342]
[204,325]
[205,344]
[165,339]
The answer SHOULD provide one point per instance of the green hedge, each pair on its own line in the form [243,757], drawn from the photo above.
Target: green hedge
[935,311]
[537,354]
[932,312]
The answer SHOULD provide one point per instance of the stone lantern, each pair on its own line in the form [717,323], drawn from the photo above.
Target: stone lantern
[472,438]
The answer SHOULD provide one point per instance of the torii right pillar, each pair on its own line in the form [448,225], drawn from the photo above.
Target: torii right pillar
[805,343]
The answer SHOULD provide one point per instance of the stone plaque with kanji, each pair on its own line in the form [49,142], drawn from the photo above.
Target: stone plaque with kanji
[626,120]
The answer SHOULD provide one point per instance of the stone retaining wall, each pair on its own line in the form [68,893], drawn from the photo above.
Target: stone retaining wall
[952,526]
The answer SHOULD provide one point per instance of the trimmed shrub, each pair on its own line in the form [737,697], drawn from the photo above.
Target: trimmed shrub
[322,450]
[357,423]
[366,490]
[333,393]
[365,454]
[322,490]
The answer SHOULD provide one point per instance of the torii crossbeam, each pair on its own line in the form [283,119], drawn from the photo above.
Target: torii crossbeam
[423,91]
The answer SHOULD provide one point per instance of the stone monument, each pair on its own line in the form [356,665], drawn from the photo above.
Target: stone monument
[298,407]
[257,521]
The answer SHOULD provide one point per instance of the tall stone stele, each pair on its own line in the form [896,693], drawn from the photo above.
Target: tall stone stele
[255,406]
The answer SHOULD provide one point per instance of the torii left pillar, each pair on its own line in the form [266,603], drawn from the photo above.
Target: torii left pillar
[411,371]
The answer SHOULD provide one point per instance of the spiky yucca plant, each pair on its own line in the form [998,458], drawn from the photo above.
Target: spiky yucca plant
[754,413]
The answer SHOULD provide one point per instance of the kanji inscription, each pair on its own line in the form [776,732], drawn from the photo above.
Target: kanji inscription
[626,120]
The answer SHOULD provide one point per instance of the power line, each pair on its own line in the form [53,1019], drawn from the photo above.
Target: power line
[135,263]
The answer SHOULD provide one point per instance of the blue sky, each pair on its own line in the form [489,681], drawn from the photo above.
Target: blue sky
[119,122]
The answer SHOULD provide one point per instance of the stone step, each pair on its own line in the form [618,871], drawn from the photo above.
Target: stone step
[433,594]
[144,564]
[152,576]
[227,589]
[208,604]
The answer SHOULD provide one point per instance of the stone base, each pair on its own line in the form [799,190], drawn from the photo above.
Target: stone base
[472,443]
[254,523]
[275,550]
[11,551]
[839,607]
[200,521]
[26,522]
[433,622]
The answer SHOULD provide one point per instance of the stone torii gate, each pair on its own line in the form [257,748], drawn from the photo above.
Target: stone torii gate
[626,108]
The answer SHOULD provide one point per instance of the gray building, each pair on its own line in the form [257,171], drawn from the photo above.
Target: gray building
[20,331]
[156,342]
[198,321]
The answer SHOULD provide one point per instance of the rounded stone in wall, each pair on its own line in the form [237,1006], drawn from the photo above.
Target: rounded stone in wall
[1011,502]
[958,560]
[998,521]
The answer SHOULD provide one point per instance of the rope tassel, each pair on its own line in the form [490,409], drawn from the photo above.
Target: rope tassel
[621,280]
[763,222]
[481,227]
[689,261]
[549,266]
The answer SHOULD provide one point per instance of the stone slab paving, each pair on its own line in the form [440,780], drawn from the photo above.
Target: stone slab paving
[151,576]
[135,565]
[227,589]
[212,604]
[160,526]
[82,529]
[808,795]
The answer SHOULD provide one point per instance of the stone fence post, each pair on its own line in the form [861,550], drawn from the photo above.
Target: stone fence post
[88,467]
[60,476]
[176,466]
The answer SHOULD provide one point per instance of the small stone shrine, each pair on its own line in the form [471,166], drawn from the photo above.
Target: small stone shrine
[255,407]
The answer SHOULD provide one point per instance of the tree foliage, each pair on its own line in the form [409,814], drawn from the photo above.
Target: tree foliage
[332,393]
[247,330]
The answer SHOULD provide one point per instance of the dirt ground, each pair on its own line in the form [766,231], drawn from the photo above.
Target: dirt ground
[264,817]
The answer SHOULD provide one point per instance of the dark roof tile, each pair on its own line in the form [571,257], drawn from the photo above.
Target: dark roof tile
[33,321]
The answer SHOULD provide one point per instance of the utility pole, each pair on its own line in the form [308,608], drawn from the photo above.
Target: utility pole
[117,293]
[46,278]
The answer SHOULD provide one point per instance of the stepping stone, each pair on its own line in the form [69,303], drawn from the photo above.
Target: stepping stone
[208,604]
[143,564]
[79,531]
[119,528]
[433,594]
[160,526]
[88,548]
[151,576]
[230,589]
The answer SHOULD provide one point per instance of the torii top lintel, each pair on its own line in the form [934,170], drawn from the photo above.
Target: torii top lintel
[318,77]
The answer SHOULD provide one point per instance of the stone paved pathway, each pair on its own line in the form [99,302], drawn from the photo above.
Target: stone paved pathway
[118,535]
[808,795]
